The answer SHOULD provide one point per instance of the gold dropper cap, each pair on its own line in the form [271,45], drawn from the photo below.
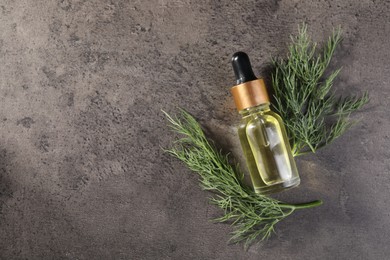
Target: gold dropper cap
[249,91]
[249,94]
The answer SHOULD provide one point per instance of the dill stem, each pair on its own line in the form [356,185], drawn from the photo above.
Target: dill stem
[307,205]
[311,146]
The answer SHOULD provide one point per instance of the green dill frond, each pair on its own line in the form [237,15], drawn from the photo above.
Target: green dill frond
[303,95]
[350,104]
[253,216]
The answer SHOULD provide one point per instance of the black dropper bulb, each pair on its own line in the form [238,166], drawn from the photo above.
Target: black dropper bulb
[242,67]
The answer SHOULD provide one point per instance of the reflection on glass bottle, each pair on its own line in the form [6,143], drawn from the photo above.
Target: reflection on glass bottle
[262,134]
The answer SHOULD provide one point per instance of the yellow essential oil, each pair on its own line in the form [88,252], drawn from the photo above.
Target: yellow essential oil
[262,133]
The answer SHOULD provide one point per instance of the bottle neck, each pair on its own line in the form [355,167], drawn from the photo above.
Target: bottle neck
[256,109]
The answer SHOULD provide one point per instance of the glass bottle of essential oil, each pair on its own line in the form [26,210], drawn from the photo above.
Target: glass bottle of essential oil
[262,134]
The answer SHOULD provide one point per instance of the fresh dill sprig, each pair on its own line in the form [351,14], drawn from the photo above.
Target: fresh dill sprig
[313,116]
[252,215]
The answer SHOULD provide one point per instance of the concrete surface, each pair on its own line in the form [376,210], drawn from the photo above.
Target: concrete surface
[82,83]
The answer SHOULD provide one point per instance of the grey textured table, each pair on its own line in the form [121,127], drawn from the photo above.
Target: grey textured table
[82,84]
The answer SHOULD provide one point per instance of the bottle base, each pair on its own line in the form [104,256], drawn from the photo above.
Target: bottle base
[278,187]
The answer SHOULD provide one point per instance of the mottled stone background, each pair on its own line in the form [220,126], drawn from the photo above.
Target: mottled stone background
[82,85]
